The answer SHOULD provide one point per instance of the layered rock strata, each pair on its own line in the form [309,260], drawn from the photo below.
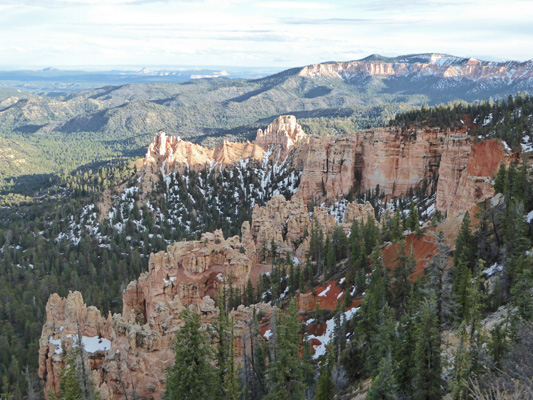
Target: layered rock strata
[389,157]
[435,65]
[397,160]
[466,173]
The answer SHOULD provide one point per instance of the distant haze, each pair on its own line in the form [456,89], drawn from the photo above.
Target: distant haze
[250,33]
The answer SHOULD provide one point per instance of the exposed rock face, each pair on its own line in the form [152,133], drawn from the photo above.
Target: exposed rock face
[466,172]
[358,212]
[169,153]
[139,341]
[397,160]
[284,132]
[437,65]
[288,224]
[387,157]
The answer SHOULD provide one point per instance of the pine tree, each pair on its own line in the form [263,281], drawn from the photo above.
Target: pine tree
[285,375]
[69,386]
[308,369]
[340,243]
[384,385]
[249,297]
[465,245]
[521,290]
[461,367]
[405,267]
[355,242]
[405,353]
[412,222]
[439,281]
[397,226]
[325,386]
[192,376]
[476,300]
[427,374]
[370,236]
[384,342]
[330,259]
[500,179]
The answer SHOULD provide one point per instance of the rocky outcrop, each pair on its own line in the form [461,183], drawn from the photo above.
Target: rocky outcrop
[288,224]
[436,65]
[284,133]
[170,153]
[389,157]
[397,160]
[466,173]
[129,352]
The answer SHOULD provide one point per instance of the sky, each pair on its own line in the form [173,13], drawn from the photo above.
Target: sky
[250,33]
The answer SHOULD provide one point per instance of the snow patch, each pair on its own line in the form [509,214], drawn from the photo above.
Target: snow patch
[57,344]
[324,339]
[325,292]
[494,268]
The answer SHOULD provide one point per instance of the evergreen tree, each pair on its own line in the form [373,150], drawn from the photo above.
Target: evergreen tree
[249,296]
[340,243]
[384,385]
[397,226]
[412,222]
[285,375]
[461,367]
[465,245]
[308,370]
[325,386]
[439,281]
[500,179]
[404,268]
[69,385]
[427,374]
[330,259]
[192,376]
[521,290]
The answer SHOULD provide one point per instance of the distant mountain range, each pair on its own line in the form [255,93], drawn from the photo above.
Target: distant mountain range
[57,82]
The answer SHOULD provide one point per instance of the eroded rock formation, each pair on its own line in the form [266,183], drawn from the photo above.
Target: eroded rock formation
[389,157]
[170,153]
[284,133]
[288,224]
[129,352]
[466,173]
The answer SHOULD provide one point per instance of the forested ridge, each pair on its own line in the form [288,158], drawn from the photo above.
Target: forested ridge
[510,119]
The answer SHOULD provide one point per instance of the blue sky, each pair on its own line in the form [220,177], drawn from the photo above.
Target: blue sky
[60,33]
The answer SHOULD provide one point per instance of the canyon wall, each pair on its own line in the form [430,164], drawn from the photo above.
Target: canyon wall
[393,159]
[398,160]
[334,166]
[466,173]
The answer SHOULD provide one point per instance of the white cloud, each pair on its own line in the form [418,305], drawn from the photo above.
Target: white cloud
[288,5]
[60,32]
